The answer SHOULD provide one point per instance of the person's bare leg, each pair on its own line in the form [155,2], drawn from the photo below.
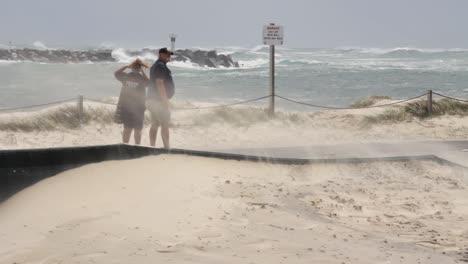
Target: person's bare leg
[137,136]
[165,136]
[126,135]
[153,132]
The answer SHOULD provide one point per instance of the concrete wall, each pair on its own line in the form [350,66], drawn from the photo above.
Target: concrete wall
[22,168]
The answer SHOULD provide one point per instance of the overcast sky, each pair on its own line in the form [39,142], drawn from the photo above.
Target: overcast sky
[210,23]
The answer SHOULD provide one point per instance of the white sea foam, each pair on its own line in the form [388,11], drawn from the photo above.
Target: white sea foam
[259,48]
[121,55]
[184,65]
[250,64]
[295,61]
[8,62]
[40,45]
[380,51]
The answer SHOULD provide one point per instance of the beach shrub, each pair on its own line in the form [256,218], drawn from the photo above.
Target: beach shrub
[244,116]
[439,107]
[388,116]
[58,118]
[418,109]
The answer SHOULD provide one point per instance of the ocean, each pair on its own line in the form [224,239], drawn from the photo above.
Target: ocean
[329,77]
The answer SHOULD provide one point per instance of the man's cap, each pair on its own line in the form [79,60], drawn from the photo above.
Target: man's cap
[165,51]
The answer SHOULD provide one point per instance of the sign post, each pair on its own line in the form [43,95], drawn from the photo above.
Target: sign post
[272,35]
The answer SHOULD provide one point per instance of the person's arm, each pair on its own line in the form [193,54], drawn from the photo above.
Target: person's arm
[162,92]
[118,73]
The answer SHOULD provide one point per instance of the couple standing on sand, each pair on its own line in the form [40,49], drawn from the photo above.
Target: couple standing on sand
[131,106]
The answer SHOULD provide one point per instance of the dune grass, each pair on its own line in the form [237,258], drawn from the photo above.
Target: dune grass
[244,117]
[418,109]
[66,116]
[368,101]
[62,117]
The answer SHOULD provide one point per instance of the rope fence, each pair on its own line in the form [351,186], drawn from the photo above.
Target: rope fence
[350,108]
[81,99]
[39,105]
[97,101]
[225,105]
[451,98]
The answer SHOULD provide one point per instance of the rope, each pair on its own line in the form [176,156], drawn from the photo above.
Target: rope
[196,108]
[226,105]
[39,105]
[449,97]
[97,101]
[252,100]
[350,108]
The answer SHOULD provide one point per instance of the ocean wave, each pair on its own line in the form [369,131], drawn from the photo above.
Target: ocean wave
[8,62]
[40,45]
[400,50]
[259,48]
[250,64]
[185,65]
[121,55]
[300,62]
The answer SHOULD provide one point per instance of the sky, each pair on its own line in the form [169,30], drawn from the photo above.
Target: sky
[214,23]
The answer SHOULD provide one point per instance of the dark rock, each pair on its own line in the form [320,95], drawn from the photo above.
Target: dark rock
[180,58]
[224,60]
[211,62]
[5,55]
[199,57]
[212,54]
[186,53]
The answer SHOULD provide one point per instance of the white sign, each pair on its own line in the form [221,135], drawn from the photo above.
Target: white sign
[273,35]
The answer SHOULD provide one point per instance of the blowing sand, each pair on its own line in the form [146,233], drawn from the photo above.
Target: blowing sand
[182,209]
[234,127]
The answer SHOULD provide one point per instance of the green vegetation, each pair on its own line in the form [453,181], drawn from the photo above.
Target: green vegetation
[61,117]
[368,101]
[418,109]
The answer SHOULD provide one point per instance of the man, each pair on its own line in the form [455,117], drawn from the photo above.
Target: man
[159,93]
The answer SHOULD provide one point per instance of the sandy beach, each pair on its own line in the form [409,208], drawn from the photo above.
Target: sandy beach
[154,210]
[182,209]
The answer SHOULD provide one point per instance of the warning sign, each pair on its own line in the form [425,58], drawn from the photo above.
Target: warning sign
[272,34]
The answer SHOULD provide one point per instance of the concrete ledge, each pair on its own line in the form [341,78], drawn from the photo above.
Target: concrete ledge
[22,168]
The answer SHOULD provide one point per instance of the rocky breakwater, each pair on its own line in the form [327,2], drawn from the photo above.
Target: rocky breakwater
[199,57]
[56,56]
[205,58]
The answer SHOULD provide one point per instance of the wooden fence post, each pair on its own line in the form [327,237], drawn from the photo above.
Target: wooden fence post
[429,102]
[79,107]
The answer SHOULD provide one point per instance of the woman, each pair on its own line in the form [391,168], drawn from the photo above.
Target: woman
[131,106]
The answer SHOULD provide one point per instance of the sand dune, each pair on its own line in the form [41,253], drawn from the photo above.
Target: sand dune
[181,209]
[235,128]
